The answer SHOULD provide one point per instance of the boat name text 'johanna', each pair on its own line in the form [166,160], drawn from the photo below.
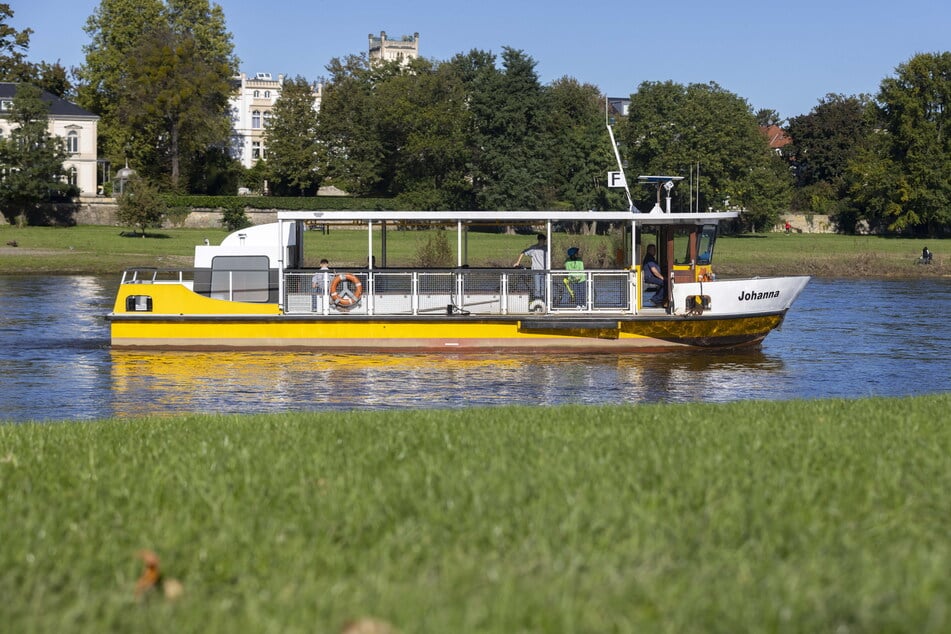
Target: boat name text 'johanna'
[751,296]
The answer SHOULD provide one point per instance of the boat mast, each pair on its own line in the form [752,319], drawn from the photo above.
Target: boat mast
[617,155]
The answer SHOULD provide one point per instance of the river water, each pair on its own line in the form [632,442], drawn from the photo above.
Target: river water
[842,338]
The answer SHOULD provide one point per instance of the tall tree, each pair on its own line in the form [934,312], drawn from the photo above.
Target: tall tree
[347,127]
[13,46]
[175,98]
[294,153]
[422,119]
[31,159]
[671,128]
[578,150]
[911,158]
[507,109]
[826,139]
[193,49]
[115,29]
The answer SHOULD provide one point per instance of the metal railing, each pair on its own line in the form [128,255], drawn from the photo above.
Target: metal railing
[462,291]
[151,275]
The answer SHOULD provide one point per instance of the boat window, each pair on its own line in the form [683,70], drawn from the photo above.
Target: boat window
[708,236]
[682,245]
[240,278]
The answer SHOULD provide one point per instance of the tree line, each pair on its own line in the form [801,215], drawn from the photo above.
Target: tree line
[480,130]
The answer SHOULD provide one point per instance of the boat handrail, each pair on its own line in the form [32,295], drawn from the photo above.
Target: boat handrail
[154,275]
[482,291]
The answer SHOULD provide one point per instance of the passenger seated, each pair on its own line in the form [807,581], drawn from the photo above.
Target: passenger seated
[653,276]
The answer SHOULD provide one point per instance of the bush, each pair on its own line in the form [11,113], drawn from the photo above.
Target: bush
[176,216]
[235,218]
[435,251]
[141,206]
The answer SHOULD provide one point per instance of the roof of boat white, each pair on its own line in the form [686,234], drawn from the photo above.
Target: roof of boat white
[502,217]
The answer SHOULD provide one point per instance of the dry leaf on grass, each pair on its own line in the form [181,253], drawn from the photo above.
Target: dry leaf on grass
[151,578]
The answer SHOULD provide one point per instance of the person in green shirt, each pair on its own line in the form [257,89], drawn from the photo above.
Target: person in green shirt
[576,282]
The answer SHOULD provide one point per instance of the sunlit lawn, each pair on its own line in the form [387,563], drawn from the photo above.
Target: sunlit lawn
[821,516]
[106,250]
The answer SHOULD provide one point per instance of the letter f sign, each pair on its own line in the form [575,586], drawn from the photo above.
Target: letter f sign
[615,179]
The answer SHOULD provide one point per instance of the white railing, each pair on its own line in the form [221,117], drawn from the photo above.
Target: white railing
[459,291]
[148,275]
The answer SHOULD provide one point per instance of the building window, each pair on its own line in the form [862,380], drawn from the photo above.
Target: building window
[71,176]
[267,94]
[255,150]
[72,142]
[267,118]
[257,94]
[6,104]
[256,119]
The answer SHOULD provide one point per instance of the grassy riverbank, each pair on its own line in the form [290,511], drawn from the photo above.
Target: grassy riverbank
[813,516]
[89,249]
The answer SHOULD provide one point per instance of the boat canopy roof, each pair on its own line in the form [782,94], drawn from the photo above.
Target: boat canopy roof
[508,217]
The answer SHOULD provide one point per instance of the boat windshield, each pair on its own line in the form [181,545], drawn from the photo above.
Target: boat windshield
[707,238]
[693,243]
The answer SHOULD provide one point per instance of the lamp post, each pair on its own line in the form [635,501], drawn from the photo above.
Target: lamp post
[123,176]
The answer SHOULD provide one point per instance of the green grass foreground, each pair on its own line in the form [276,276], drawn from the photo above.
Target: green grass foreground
[95,249]
[810,516]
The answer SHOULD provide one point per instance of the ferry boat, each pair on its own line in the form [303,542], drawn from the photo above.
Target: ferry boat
[258,289]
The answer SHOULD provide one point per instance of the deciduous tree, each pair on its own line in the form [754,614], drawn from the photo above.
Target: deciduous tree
[115,29]
[423,120]
[577,148]
[13,46]
[294,153]
[911,156]
[506,133]
[169,61]
[826,139]
[140,206]
[347,127]
[31,160]
[671,127]
[175,98]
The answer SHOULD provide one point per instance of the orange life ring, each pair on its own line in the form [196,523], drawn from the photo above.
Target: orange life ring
[350,296]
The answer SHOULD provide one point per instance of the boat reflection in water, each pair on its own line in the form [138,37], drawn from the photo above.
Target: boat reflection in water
[150,383]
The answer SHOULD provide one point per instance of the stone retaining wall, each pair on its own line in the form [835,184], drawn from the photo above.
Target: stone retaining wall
[801,223]
[102,211]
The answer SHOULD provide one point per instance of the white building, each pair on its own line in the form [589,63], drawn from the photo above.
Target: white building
[76,126]
[252,102]
[387,50]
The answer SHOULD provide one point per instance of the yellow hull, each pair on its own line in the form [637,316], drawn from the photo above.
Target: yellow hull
[203,323]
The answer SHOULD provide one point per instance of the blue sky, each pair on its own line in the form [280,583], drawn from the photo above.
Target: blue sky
[784,56]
